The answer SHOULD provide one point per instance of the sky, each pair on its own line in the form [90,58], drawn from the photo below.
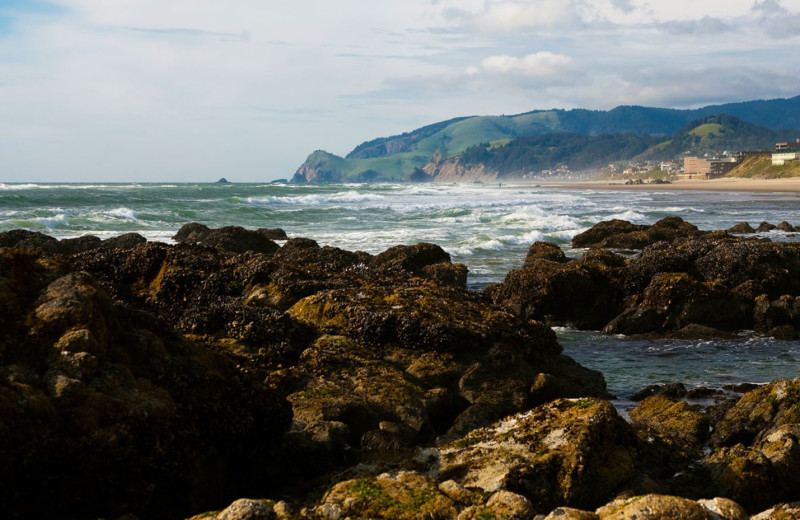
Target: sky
[195,90]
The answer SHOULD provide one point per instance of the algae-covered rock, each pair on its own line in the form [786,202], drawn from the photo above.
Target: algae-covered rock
[790,511]
[569,513]
[584,293]
[763,474]
[655,507]
[403,495]
[621,234]
[564,453]
[248,509]
[759,411]
[741,228]
[677,422]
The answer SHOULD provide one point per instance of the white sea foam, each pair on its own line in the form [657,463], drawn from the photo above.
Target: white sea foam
[124,213]
[55,221]
[17,187]
[315,199]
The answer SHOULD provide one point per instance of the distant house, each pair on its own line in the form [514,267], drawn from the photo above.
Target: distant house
[785,152]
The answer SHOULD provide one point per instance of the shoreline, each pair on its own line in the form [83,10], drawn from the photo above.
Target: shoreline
[791,185]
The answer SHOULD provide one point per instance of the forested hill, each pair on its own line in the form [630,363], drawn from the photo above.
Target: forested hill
[397,158]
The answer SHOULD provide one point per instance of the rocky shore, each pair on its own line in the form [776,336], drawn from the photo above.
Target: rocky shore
[164,381]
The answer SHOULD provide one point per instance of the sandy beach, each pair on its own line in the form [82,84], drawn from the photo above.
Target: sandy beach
[726,184]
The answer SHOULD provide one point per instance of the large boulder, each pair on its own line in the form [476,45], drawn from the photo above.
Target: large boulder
[568,452]
[584,293]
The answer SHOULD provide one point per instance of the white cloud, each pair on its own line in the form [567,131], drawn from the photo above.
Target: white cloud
[543,64]
[191,87]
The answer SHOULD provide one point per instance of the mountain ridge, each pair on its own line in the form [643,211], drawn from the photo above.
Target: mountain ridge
[395,158]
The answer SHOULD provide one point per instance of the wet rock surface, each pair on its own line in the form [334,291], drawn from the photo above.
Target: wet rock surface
[164,380]
[684,283]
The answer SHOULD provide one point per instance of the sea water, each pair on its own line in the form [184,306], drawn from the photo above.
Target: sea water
[488,227]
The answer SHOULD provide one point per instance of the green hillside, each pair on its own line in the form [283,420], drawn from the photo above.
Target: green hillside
[716,134]
[394,158]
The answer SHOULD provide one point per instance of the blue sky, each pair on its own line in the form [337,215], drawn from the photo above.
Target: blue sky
[194,90]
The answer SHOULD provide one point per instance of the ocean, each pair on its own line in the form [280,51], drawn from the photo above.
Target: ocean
[488,227]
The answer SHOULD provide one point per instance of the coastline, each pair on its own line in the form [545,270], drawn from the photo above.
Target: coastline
[791,185]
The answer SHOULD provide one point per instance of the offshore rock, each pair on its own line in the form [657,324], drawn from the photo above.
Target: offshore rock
[689,284]
[621,234]
[235,239]
[742,228]
[94,395]
[584,293]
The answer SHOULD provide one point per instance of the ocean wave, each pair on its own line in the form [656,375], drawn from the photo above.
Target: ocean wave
[315,199]
[630,215]
[124,213]
[17,187]
[55,221]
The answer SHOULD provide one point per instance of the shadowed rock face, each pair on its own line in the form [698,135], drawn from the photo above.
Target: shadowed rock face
[105,409]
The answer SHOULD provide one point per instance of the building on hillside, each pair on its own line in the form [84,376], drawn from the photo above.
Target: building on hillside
[695,168]
[785,152]
[719,167]
[784,156]
[787,146]
[698,168]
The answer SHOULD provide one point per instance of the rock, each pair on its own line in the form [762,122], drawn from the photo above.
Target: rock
[789,511]
[597,234]
[763,474]
[411,259]
[100,394]
[223,180]
[273,234]
[123,242]
[235,239]
[759,410]
[401,495]
[238,240]
[673,390]
[677,422]
[621,234]
[654,507]
[695,331]
[502,504]
[583,293]
[724,508]
[568,513]
[765,226]
[741,228]
[248,509]
[786,227]
[191,233]
[545,251]
[566,452]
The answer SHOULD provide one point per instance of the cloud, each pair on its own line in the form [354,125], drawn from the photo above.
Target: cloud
[776,20]
[517,16]
[541,65]
[704,26]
